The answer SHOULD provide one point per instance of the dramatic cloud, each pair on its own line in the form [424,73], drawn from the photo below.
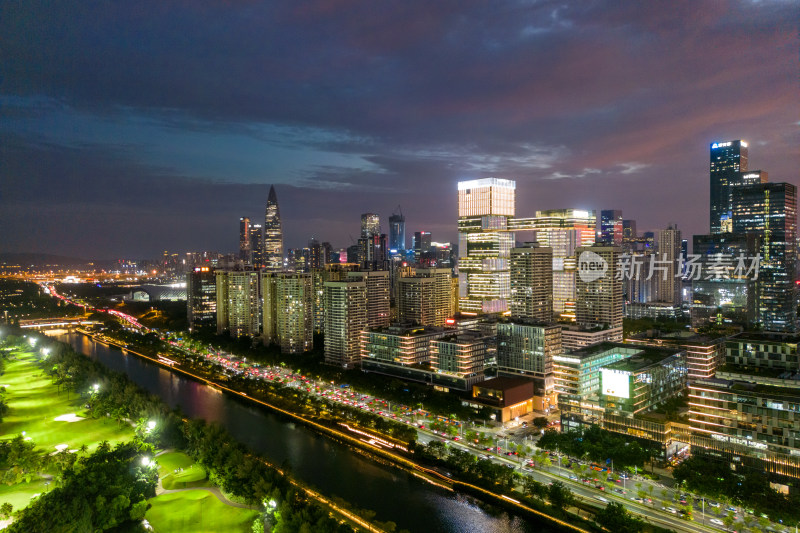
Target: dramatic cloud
[130,128]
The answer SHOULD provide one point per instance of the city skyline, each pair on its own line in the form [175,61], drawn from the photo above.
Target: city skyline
[148,131]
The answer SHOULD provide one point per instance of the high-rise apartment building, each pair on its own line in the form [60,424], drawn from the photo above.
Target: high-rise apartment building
[377,303]
[330,272]
[769,210]
[611,227]
[238,303]
[345,319]
[424,297]
[201,299]
[422,243]
[462,356]
[532,282]
[397,232]
[288,311]
[598,287]
[485,207]
[245,250]
[667,266]
[728,162]
[273,234]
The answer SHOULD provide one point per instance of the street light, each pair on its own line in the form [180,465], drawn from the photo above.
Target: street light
[146,461]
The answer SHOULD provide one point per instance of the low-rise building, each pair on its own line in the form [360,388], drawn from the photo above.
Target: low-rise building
[509,398]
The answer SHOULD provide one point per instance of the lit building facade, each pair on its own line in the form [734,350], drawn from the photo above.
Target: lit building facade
[462,356]
[728,159]
[377,303]
[288,311]
[668,277]
[397,232]
[330,272]
[424,298]
[611,228]
[769,210]
[526,349]
[345,319]
[238,303]
[485,207]
[201,299]
[532,282]
[273,234]
[598,299]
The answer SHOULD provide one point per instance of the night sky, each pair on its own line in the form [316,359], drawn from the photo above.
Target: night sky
[128,128]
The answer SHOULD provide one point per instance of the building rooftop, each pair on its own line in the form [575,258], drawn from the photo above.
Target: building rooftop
[645,358]
[789,338]
[503,383]
[597,349]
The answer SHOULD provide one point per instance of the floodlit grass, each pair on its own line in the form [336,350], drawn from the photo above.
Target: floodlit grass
[191,474]
[34,404]
[20,495]
[196,511]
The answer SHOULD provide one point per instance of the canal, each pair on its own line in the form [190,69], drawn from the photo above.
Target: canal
[335,469]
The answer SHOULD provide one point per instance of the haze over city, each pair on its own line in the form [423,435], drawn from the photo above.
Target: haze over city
[128,129]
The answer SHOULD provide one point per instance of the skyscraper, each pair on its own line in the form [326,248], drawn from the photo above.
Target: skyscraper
[769,210]
[532,282]
[611,227]
[397,232]
[245,251]
[273,234]
[256,245]
[370,225]
[238,309]
[728,161]
[201,299]
[424,297]
[484,244]
[288,310]
[345,319]
[668,280]
[377,300]
[598,288]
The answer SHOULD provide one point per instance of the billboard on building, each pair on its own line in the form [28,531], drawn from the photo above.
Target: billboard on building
[615,383]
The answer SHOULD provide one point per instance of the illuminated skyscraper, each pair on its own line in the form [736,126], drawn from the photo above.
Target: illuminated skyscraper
[598,293]
[245,252]
[611,227]
[532,282]
[201,298]
[769,210]
[485,207]
[397,232]
[370,225]
[238,309]
[728,161]
[424,298]
[668,280]
[345,319]
[288,311]
[273,234]
[256,245]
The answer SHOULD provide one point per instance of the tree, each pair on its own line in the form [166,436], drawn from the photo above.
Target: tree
[534,489]
[540,422]
[616,518]
[6,510]
[560,496]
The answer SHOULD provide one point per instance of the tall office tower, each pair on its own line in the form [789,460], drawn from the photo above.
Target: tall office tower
[598,289]
[345,319]
[288,311]
[611,227]
[327,253]
[769,210]
[201,299]
[564,230]
[238,303]
[728,161]
[330,272]
[666,274]
[532,282]
[422,243]
[377,305]
[484,244]
[297,260]
[273,234]
[245,250]
[397,232]
[316,257]
[370,225]
[424,298]
[628,230]
[373,252]
[527,348]
[256,245]
[727,295]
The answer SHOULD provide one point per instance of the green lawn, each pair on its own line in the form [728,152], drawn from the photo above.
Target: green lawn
[191,474]
[196,511]
[34,404]
[20,495]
